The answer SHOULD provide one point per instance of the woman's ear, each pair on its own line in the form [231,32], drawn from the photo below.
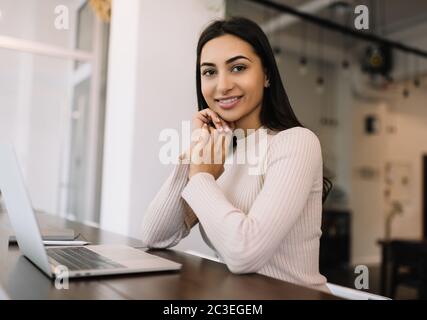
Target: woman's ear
[266,80]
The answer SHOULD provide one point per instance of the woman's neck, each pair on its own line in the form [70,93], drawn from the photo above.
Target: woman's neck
[250,121]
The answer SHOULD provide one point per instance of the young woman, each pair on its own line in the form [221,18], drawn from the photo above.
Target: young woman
[269,222]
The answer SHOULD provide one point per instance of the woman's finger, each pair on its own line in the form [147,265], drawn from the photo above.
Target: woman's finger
[202,118]
[200,145]
[217,145]
[224,125]
[216,120]
[205,134]
[198,121]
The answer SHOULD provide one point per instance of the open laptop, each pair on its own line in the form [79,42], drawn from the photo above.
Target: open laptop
[79,261]
[3,294]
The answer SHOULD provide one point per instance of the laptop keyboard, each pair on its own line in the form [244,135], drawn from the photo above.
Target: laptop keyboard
[80,258]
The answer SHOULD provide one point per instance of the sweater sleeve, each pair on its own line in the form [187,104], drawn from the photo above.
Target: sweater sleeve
[246,241]
[168,218]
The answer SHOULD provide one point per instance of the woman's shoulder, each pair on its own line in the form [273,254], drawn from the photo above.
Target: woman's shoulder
[298,143]
[296,136]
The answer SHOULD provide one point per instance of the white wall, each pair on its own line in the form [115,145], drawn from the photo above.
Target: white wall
[151,86]
[403,145]
[33,95]
[408,146]
[409,116]
[34,20]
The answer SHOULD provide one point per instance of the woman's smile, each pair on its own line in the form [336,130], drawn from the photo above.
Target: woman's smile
[228,102]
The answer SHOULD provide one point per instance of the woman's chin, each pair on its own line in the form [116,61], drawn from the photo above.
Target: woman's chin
[230,119]
[226,115]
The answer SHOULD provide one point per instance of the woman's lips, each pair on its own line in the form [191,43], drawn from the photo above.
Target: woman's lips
[229,102]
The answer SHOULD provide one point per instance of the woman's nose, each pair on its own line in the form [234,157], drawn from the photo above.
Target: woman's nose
[224,84]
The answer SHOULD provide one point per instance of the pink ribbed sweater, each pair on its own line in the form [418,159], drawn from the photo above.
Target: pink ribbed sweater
[267,223]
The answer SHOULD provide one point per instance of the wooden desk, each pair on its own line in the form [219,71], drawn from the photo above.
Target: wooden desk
[198,279]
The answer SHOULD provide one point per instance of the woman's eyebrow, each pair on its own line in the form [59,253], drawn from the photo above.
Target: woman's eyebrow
[209,64]
[236,58]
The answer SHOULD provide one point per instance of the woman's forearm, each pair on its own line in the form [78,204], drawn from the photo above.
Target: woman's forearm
[163,222]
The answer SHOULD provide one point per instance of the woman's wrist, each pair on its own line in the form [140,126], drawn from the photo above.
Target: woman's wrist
[184,158]
[191,175]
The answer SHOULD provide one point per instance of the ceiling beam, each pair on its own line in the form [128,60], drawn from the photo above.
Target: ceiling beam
[336,27]
[285,20]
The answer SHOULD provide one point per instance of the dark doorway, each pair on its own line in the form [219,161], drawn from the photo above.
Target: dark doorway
[425,197]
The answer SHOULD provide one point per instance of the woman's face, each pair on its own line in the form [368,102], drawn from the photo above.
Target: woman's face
[232,80]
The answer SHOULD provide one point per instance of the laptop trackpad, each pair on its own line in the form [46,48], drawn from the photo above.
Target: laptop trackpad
[133,258]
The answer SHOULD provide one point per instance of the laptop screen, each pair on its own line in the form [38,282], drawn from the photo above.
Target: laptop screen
[19,209]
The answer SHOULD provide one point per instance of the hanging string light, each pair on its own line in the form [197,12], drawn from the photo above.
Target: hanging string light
[343,11]
[405,91]
[320,81]
[277,49]
[320,85]
[417,82]
[345,63]
[303,68]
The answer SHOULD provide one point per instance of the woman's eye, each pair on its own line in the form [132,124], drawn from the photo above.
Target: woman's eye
[208,72]
[239,68]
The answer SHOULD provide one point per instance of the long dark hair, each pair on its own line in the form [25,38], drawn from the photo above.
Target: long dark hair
[276,112]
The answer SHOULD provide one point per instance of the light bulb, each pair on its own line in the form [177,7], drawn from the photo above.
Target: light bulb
[303,70]
[417,82]
[320,88]
[277,53]
[345,64]
[405,93]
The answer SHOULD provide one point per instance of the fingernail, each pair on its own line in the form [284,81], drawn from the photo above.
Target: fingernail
[227,129]
[220,129]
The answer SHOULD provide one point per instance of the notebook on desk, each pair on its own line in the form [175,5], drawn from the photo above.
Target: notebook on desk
[52,234]
[77,261]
